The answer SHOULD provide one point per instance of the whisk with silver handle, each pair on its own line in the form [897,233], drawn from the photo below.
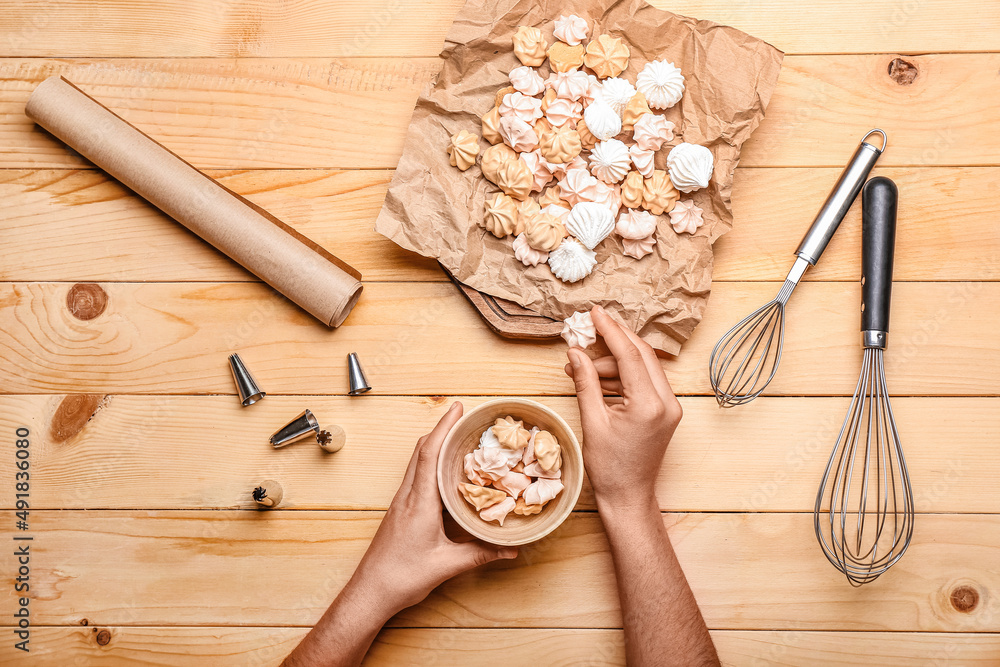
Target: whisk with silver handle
[864,507]
[746,358]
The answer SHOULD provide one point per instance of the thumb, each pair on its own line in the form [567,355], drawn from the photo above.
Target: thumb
[475,553]
[588,383]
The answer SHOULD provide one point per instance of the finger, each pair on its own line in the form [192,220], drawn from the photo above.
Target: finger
[425,472]
[588,384]
[612,386]
[631,367]
[411,467]
[606,367]
[467,555]
[653,367]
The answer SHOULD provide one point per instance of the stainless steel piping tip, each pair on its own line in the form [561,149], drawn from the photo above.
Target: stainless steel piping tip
[303,426]
[246,384]
[356,376]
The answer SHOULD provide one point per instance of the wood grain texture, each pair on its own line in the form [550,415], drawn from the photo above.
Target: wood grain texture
[54,646]
[79,225]
[187,28]
[169,452]
[292,113]
[282,568]
[424,338]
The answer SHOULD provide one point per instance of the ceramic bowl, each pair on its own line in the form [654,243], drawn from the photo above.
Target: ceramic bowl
[464,438]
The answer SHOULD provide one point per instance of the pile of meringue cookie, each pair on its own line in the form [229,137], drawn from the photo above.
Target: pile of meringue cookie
[512,470]
[595,135]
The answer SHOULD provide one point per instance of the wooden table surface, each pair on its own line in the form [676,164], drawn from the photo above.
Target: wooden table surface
[146,546]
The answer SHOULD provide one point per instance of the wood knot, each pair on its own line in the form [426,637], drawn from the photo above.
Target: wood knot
[84,621]
[86,301]
[73,414]
[103,638]
[902,72]
[965,599]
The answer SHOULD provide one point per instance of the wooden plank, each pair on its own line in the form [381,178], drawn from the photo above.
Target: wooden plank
[290,113]
[748,571]
[187,28]
[554,647]
[170,452]
[79,225]
[423,338]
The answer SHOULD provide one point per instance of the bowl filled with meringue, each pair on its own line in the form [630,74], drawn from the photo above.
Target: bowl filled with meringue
[510,471]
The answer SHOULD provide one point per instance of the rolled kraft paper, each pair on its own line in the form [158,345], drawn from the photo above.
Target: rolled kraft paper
[296,267]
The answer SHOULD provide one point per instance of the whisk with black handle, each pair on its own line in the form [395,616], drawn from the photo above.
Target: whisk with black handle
[746,358]
[864,508]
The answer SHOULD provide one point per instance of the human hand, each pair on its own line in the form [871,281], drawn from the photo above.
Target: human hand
[410,554]
[623,439]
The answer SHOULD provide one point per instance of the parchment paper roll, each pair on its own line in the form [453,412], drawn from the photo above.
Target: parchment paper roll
[304,272]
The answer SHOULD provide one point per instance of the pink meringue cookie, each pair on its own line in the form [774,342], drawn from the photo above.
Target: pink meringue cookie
[539,169]
[651,131]
[562,111]
[535,469]
[560,170]
[635,224]
[579,330]
[513,483]
[578,185]
[492,462]
[571,29]
[526,80]
[517,105]
[595,90]
[541,491]
[528,256]
[639,248]
[571,85]
[518,135]
[499,511]
[686,217]
[642,159]
[472,472]
[559,212]
[609,194]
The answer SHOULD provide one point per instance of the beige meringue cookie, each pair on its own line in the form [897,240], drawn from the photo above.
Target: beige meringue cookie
[500,218]
[463,149]
[527,80]
[491,126]
[547,451]
[661,83]
[541,491]
[686,217]
[473,473]
[651,131]
[572,261]
[544,232]
[590,223]
[578,331]
[510,433]
[529,46]
[499,511]
[561,111]
[577,186]
[658,193]
[617,92]
[481,497]
[690,166]
[587,139]
[515,179]
[632,188]
[527,255]
[502,93]
[633,111]
[571,29]
[610,195]
[551,197]
[518,105]
[513,483]
[639,248]
[607,56]
[534,469]
[517,134]
[642,160]
[560,145]
[493,158]
[634,224]
[564,57]
[539,169]
[573,85]
[610,161]
[601,119]
[542,128]
[525,209]
[524,509]
[558,211]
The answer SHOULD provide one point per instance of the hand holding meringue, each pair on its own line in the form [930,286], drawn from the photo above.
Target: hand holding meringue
[578,331]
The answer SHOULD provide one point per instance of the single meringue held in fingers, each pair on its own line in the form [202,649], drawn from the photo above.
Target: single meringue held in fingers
[579,330]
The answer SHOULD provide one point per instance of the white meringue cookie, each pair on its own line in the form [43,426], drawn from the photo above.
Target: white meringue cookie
[500,511]
[610,160]
[540,492]
[489,441]
[572,85]
[579,331]
[690,166]
[526,80]
[527,255]
[651,131]
[661,83]
[639,248]
[635,224]
[571,261]
[617,92]
[590,223]
[602,121]
[643,160]
[571,29]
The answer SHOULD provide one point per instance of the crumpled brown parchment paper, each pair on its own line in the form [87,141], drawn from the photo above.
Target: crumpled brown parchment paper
[434,209]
